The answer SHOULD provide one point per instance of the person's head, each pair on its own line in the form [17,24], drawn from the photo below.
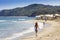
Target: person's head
[36,22]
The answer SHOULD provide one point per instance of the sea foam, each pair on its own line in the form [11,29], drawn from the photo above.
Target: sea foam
[16,35]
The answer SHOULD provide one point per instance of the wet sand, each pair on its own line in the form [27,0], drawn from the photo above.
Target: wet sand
[48,33]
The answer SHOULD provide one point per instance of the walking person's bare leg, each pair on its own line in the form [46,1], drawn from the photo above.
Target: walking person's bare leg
[36,33]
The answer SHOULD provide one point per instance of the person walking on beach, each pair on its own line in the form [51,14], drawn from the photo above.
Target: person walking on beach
[36,28]
[44,24]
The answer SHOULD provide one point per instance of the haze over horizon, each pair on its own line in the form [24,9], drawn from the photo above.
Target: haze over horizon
[9,4]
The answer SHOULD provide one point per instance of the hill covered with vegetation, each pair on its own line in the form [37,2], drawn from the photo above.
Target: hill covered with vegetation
[31,10]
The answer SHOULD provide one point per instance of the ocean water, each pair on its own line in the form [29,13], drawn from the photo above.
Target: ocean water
[14,27]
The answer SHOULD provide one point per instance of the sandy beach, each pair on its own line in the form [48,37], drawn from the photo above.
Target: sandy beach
[48,33]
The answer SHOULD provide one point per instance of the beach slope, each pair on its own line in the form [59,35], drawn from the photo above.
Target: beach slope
[48,33]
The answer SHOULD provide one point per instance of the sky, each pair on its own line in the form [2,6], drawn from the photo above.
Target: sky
[10,4]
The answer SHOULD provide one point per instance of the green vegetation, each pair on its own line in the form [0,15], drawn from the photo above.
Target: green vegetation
[31,10]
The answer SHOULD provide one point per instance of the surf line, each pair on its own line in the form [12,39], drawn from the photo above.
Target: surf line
[16,35]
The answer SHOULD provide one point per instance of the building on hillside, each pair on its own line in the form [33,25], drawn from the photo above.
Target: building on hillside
[57,15]
[46,17]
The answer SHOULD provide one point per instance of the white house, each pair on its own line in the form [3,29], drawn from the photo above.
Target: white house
[57,14]
[46,16]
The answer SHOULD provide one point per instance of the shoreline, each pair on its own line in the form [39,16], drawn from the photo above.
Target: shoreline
[31,33]
[45,33]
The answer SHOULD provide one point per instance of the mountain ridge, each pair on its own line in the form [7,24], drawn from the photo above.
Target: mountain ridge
[31,10]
